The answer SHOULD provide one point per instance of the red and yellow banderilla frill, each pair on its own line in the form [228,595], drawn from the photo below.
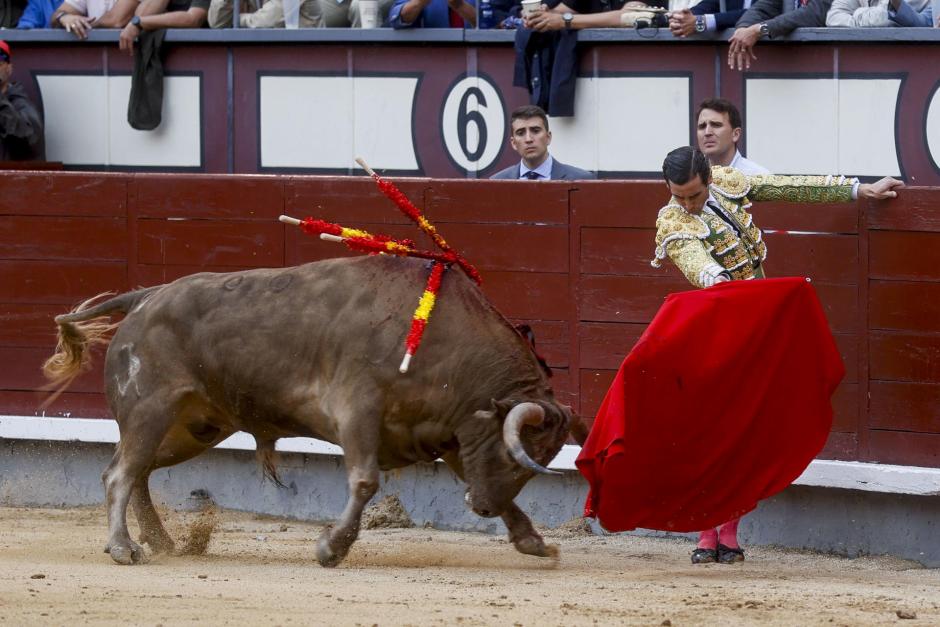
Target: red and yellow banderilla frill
[357,239]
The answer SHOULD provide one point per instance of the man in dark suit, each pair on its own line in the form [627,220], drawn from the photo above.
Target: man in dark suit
[529,136]
[707,16]
[772,18]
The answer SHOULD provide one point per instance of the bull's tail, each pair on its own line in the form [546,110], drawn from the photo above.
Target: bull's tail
[267,457]
[87,325]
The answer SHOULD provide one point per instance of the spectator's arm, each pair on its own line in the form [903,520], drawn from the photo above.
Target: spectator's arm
[760,11]
[404,13]
[841,14]
[552,20]
[32,16]
[72,19]
[119,15]
[809,16]
[64,9]
[902,14]
[464,9]
[191,18]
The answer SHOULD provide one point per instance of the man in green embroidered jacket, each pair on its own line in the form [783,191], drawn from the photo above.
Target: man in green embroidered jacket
[708,232]
[706,228]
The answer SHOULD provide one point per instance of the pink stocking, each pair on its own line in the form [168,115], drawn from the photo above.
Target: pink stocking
[708,539]
[728,533]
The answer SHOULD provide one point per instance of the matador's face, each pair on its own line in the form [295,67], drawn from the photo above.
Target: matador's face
[691,195]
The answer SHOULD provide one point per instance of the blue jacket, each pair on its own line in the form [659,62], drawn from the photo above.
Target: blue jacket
[38,14]
[734,9]
[435,15]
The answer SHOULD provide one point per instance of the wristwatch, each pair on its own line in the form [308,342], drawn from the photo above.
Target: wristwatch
[700,24]
[136,22]
[567,17]
[764,29]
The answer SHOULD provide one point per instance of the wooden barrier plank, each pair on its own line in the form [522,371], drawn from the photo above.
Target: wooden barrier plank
[840,304]
[56,237]
[200,196]
[349,201]
[625,298]
[594,385]
[63,194]
[904,306]
[904,357]
[219,243]
[822,257]
[57,282]
[631,204]
[67,405]
[23,370]
[620,251]
[497,201]
[841,446]
[903,406]
[845,408]
[551,340]
[529,295]
[816,218]
[915,211]
[904,256]
[27,324]
[904,448]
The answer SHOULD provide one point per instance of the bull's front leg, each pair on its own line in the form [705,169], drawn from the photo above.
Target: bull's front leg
[362,469]
[524,536]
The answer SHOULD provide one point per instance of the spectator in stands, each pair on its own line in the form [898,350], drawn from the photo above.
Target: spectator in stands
[772,18]
[432,14]
[345,13]
[871,13]
[156,14]
[718,129]
[80,16]
[38,14]
[529,136]
[707,17]
[21,134]
[270,14]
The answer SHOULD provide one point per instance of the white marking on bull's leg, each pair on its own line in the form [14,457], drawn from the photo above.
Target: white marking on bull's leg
[118,490]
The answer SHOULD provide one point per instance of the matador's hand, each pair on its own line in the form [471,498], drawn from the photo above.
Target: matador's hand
[879,190]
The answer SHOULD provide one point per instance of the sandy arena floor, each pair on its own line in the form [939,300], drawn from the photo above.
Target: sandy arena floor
[261,571]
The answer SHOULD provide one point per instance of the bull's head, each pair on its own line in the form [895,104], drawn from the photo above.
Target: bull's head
[504,447]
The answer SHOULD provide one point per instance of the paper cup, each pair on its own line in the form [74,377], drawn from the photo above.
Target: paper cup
[530,6]
[291,13]
[369,13]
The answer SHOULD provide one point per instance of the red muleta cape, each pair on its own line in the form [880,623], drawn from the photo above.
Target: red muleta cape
[724,401]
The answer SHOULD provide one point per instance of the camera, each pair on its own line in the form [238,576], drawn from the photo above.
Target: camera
[656,20]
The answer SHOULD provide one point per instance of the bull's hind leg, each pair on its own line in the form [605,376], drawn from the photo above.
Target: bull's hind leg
[360,453]
[152,531]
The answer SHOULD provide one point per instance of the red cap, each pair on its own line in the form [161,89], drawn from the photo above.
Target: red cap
[5,47]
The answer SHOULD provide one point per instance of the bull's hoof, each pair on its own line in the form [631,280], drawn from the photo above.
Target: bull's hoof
[327,557]
[158,544]
[533,545]
[131,554]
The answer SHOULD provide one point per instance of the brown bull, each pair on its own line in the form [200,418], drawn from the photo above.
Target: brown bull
[313,351]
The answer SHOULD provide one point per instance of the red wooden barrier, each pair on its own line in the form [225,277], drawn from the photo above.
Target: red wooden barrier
[572,260]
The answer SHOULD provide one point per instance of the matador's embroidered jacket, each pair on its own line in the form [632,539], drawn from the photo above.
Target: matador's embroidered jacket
[707,243]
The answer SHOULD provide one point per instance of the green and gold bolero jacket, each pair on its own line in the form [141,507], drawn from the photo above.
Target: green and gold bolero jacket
[704,243]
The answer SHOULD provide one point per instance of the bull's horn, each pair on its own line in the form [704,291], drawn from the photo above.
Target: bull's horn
[519,416]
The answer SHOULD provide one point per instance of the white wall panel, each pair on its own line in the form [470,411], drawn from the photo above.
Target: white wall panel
[176,142]
[75,109]
[792,125]
[326,121]
[625,123]
[823,126]
[86,122]
[867,112]
[933,127]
